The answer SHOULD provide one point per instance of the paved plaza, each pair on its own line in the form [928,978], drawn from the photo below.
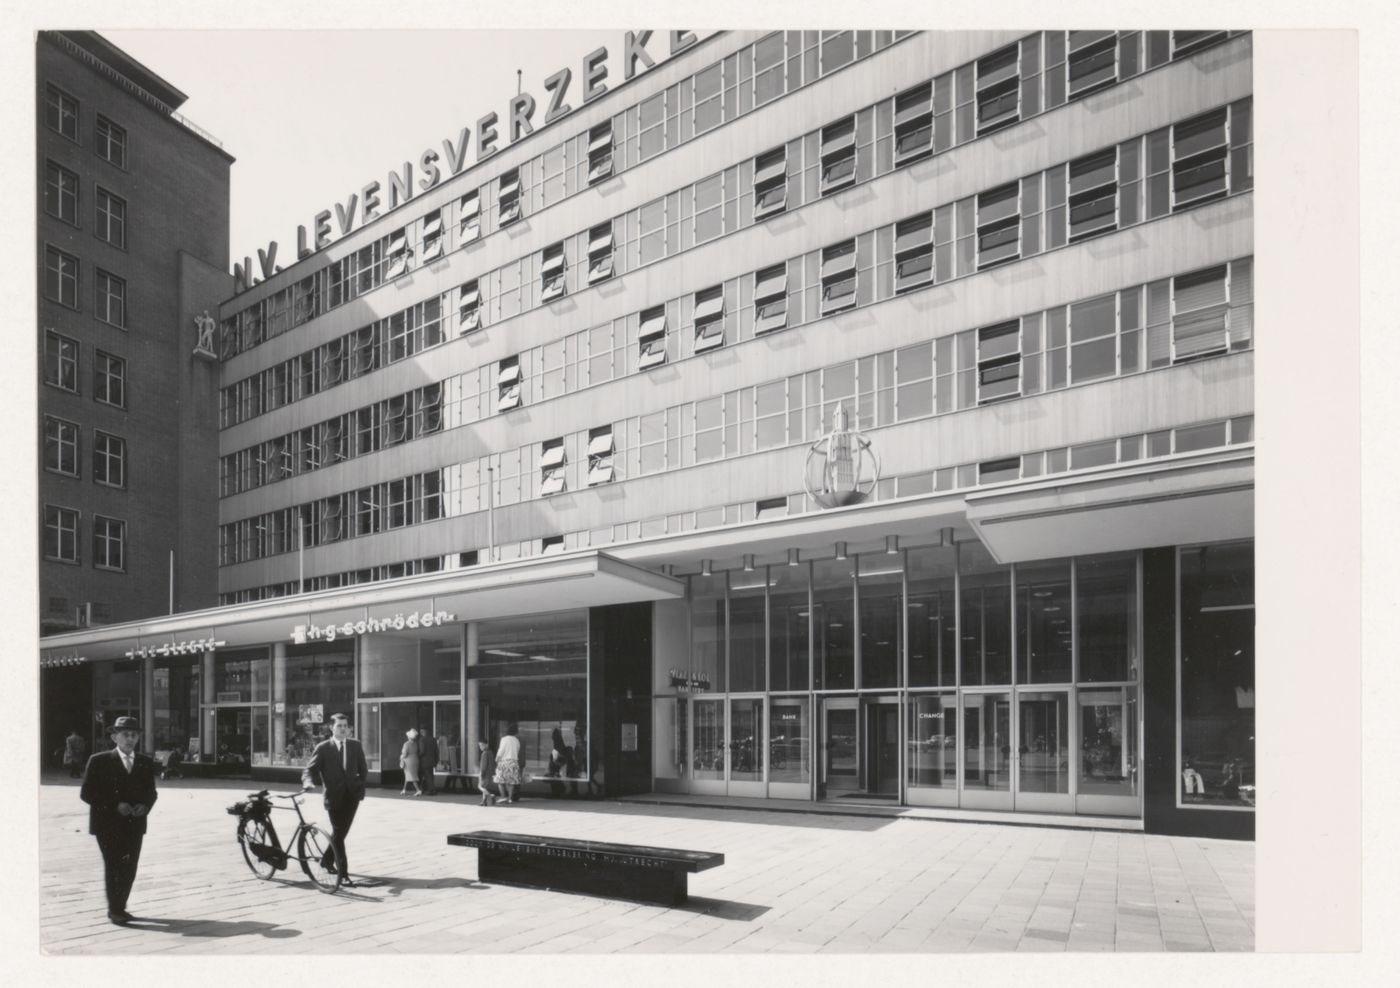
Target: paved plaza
[791,882]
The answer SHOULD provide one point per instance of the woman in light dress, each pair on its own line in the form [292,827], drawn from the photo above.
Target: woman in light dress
[408,761]
[509,764]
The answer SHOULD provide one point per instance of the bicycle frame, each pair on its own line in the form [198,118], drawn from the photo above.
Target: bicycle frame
[258,809]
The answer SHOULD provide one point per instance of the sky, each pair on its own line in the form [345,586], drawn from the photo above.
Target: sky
[313,115]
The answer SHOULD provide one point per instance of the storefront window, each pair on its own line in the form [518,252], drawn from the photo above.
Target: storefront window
[881,619]
[411,663]
[242,675]
[1106,617]
[533,671]
[707,631]
[116,688]
[1217,675]
[790,723]
[986,617]
[933,630]
[365,729]
[787,628]
[320,681]
[1043,653]
[747,630]
[933,741]
[176,715]
[833,594]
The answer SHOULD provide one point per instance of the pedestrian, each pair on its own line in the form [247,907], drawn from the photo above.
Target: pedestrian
[510,764]
[119,787]
[74,748]
[408,761]
[338,765]
[489,789]
[427,761]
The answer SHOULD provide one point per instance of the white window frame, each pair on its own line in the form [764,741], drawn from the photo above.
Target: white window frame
[63,186]
[651,338]
[838,266]
[709,318]
[110,451]
[508,198]
[552,268]
[838,155]
[913,116]
[770,299]
[600,152]
[62,436]
[600,455]
[469,217]
[469,308]
[913,243]
[770,182]
[600,252]
[998,85]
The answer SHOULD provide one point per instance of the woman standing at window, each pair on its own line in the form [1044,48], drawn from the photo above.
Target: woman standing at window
[509,763]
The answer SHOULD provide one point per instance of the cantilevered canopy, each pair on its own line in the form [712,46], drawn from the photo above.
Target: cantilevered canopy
[563,582]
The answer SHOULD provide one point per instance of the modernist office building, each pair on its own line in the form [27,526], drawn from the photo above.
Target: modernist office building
[132,246]
[859,416]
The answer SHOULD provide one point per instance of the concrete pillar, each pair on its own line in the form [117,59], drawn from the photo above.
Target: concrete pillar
[206,715]
[279,695]
[471,729]
[148,704]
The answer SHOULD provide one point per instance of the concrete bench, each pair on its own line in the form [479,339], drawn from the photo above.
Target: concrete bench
[619,871]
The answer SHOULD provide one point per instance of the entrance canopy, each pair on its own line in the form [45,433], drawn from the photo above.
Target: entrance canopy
[552,583]
[1197,497]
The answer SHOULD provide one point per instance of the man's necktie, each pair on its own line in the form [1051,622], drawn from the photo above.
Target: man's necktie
[341,746]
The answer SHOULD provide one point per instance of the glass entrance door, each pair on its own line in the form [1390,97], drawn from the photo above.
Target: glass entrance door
[233,739]
[1108,752]
[840,774]
[987,747]
[881,748]
[860,749]
[709,752]
[1043,762]
[746,746]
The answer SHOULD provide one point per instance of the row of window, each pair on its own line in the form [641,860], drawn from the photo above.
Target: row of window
[1092,196]
[62,112]
[635,134]
[62,198]
[1201,313]
[62,277]
[1142,327]
[1125,449]
[927,118]
[62,537]
[62,370]
[62,452]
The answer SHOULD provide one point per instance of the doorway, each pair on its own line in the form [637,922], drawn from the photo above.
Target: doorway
[860,749]
[234,742]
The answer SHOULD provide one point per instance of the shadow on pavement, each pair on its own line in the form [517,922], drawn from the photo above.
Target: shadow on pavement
[211,928]
[723,908]
[397,886]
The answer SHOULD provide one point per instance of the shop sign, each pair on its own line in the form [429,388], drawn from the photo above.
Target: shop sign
[399,186]
[689,681]
[175,648]
[310,713]
[304,633]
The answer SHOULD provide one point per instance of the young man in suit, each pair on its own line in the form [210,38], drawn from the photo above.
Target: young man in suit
[338,764]
[119,787]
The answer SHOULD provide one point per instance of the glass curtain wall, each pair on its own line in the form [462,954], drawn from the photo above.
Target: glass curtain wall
[532,671]
[1016,685]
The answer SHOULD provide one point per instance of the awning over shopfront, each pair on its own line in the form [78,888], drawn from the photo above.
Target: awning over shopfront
[1206,497]
[576,580]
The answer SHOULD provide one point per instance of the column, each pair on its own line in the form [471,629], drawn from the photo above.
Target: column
[279,695]
[148,704]
[471,721]
[206,715]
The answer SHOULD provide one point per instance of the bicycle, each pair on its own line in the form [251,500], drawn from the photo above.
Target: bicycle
[266,856]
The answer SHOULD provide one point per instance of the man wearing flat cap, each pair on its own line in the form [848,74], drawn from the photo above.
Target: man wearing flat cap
[119,787]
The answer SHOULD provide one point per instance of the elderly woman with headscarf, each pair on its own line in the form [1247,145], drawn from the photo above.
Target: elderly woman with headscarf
[408,761]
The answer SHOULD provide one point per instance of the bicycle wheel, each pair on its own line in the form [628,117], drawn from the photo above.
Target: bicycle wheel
[317,856]
[254,831]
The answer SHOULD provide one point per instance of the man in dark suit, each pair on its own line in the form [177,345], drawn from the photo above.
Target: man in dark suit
[339,765]
[427,761]
[119,787]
